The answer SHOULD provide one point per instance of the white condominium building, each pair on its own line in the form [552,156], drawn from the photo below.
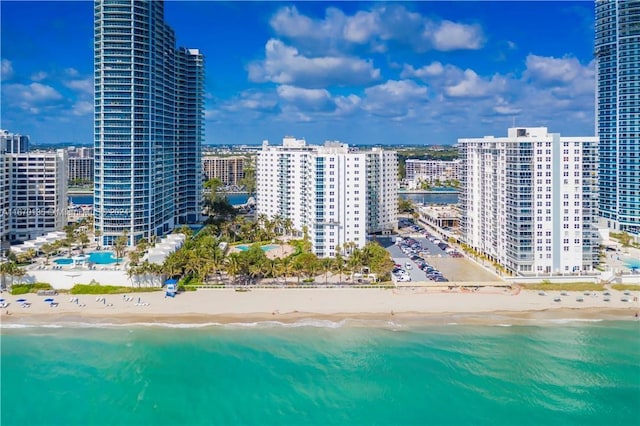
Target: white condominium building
[339,195]
[431,170]
[4,202]
[529,200]
[13,143]
[35,184]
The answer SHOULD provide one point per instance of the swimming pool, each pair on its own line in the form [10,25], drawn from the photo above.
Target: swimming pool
[103,258]
[244,247]
[632,263]
[64,261]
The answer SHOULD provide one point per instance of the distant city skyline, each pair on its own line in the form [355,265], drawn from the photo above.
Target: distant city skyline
[358,72]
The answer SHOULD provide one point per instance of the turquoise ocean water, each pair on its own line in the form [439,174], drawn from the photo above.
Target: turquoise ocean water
[559,373]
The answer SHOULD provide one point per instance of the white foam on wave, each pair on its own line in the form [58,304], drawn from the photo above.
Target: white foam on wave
[16,325]
[569,320]
[306,322]
[300,323]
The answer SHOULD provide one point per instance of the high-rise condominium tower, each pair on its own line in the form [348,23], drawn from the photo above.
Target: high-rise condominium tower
[617,50]
[529,200]
[337,194]
[149,116]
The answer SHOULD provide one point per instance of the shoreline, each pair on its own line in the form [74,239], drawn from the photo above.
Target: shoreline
[329,307]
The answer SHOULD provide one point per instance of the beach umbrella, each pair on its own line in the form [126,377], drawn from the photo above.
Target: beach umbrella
[49,300]
[2,300]
[21,300]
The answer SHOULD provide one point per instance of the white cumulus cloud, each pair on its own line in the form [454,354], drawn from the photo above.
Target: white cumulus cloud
[431,70]
[449,36]
[6,70]
[376,28]
[83,85]
[552,70]
[34,92]
[285,65]
[307,99]
[39,76]
[473,86]
[394,98]
[82,108]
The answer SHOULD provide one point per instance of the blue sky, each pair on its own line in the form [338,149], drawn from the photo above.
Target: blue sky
[358,72]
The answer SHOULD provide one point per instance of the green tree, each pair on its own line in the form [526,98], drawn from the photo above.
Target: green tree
[9,269]
[97,233]
[326,264]
[83,239]
[625,239]
[405,206]
[120,245]
[249,178]
[233,266]
[48,250]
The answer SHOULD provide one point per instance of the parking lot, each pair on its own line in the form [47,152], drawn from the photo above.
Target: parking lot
[450,268]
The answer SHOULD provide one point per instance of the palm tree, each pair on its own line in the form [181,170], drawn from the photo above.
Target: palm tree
[288,225]
[48,250]
[120,246]
[299,267]
[9,269]
[286,267]
[83,239]
[233,266]
[271,268]
[70,238]
[339,265]
[172,265]
[97,233]
[141,245]
[325,266]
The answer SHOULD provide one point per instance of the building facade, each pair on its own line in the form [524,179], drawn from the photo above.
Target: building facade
[4,202]
[432,170]
[529,200]
[80,171]
[149,121]
[230,170]
[337,194]
[36,193]
[13,143]
[618,112]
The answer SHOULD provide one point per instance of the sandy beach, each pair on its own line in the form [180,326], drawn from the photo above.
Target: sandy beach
[288,305]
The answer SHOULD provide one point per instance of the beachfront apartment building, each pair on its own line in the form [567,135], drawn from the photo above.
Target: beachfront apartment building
[229,169]
[34,193]
[336,194]
[149,123]
[4,203]
[617,37]
[529,200]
